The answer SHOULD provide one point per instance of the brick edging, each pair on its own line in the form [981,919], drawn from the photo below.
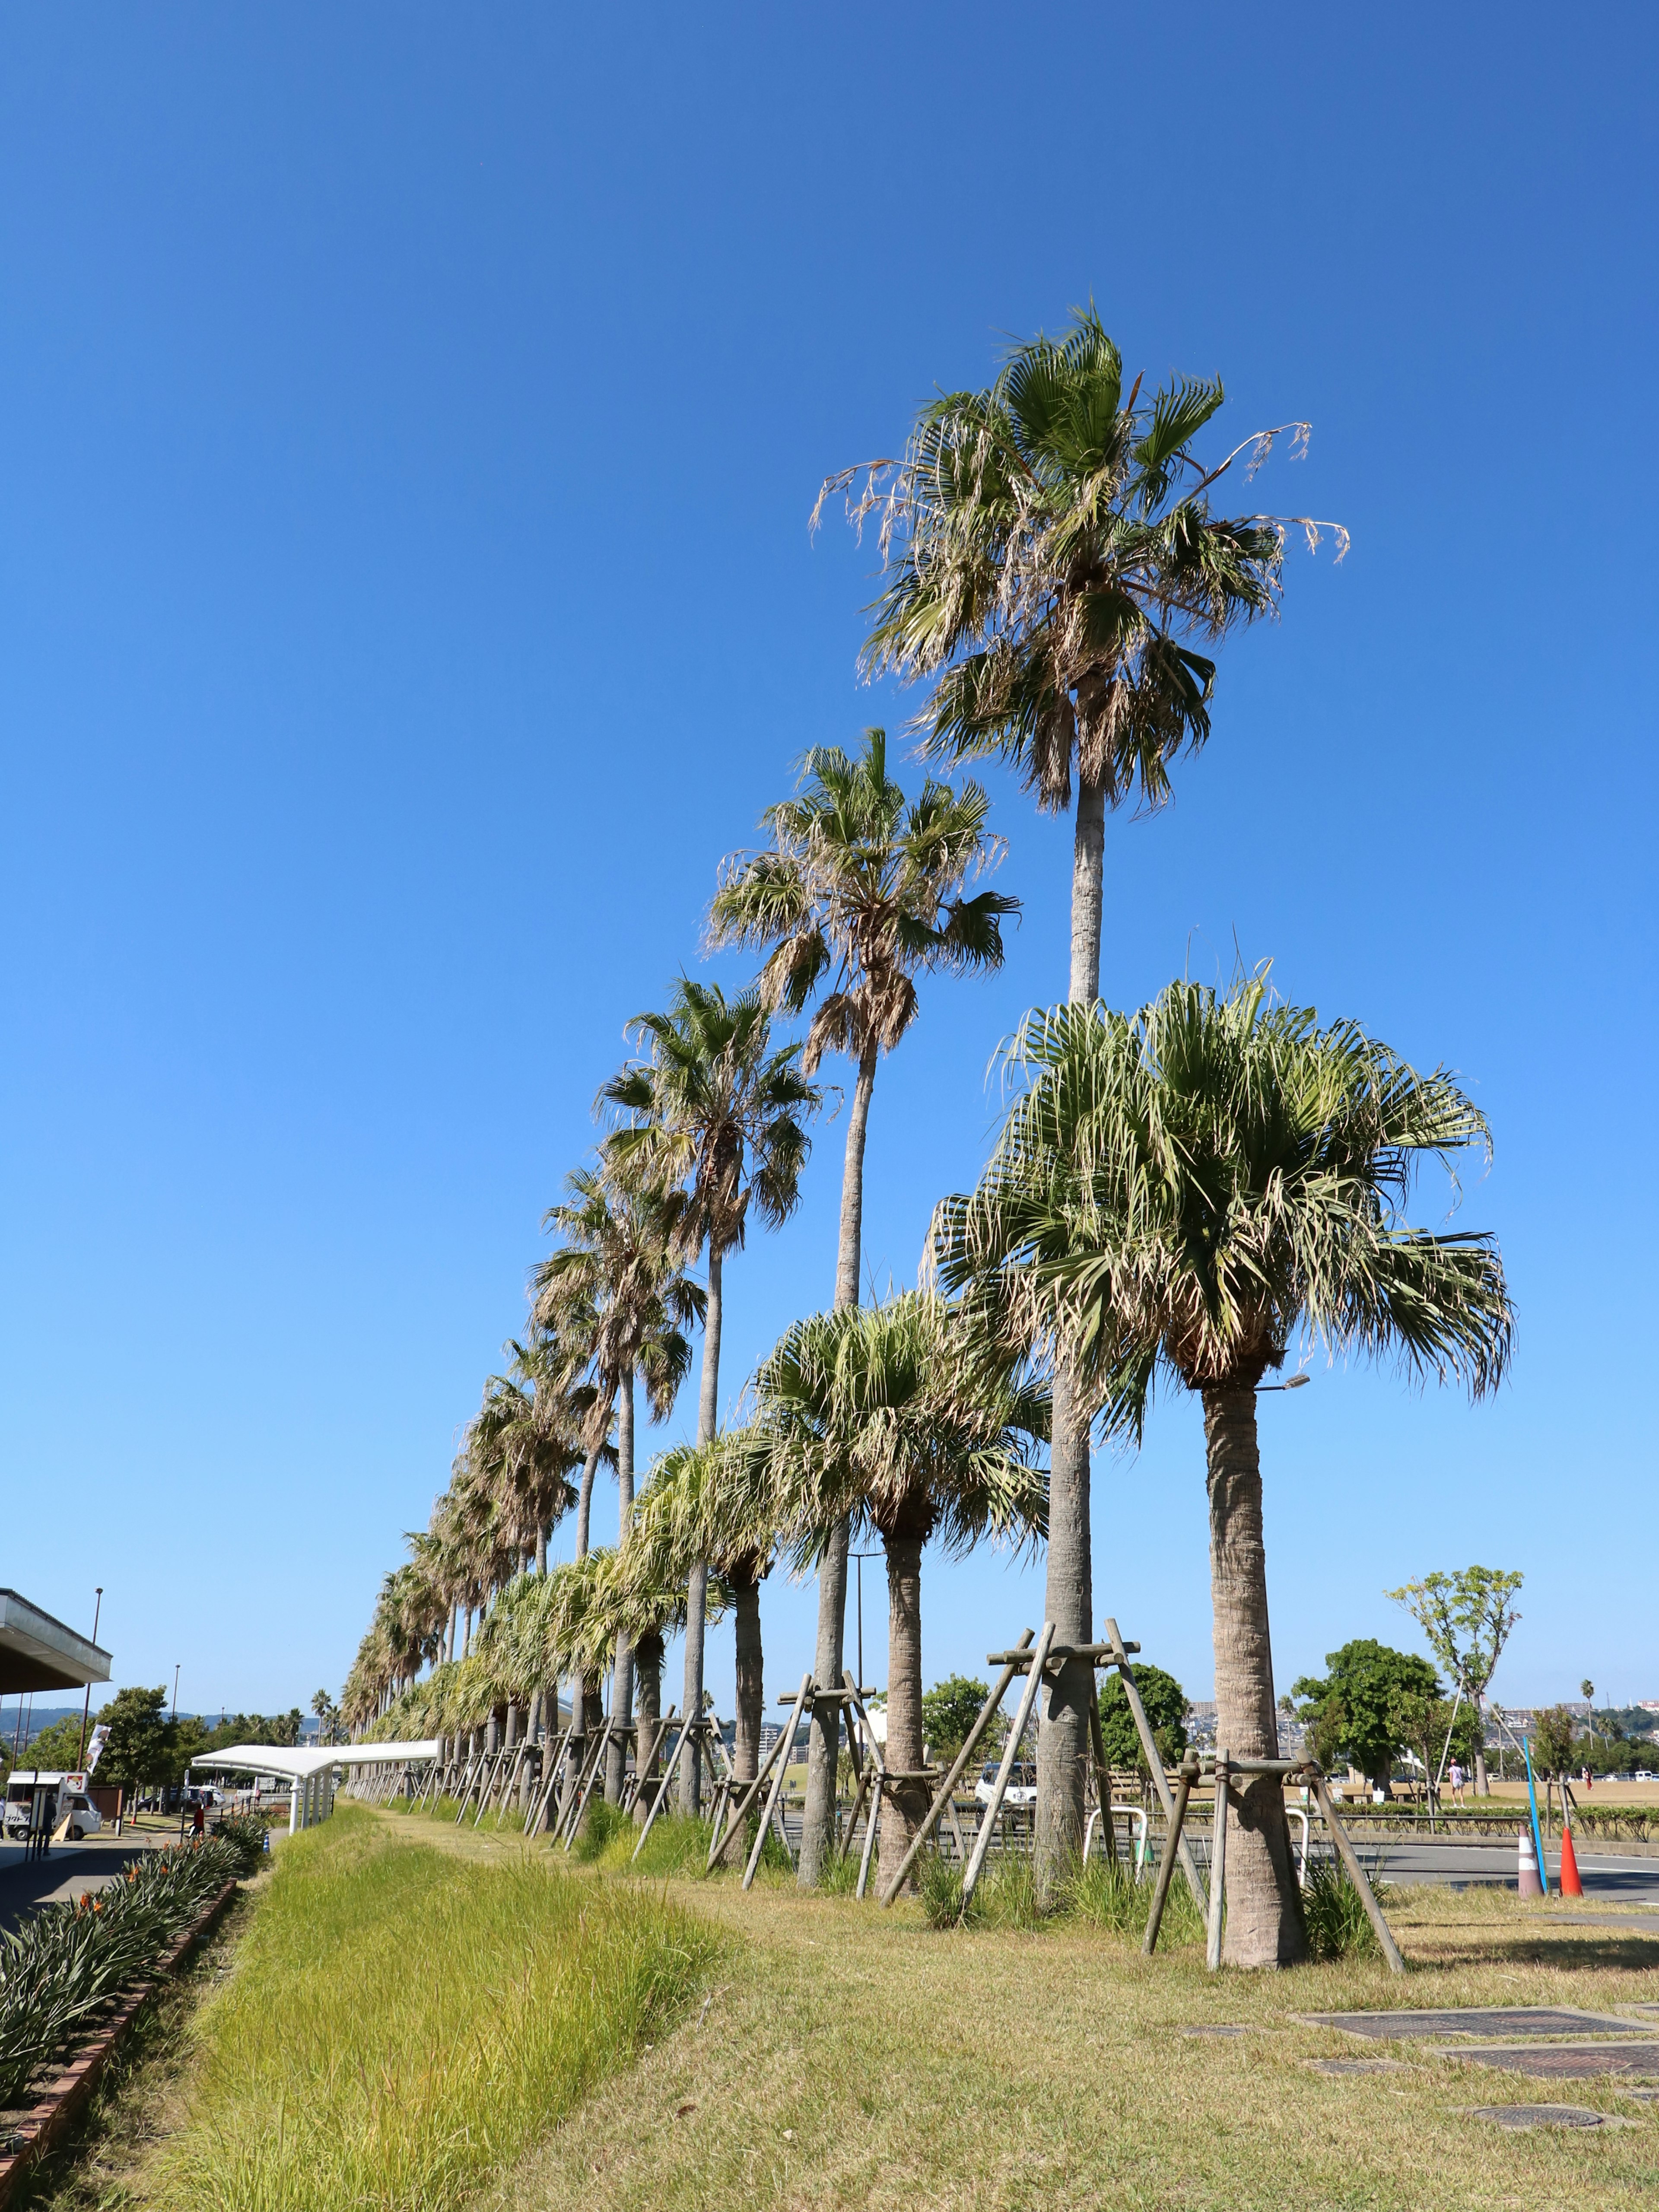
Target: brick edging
[47,2120]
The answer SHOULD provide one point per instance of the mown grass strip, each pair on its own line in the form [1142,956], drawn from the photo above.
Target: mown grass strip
[402,2022]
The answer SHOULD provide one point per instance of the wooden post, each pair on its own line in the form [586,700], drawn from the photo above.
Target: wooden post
[1218,1864]
[751,1791]
[983,1841]
[663,1784]
[1357,1874]
[801,1696]
[1154,1757]
[591,1772]
[1166,1864]
[986,1713]
[877,1783]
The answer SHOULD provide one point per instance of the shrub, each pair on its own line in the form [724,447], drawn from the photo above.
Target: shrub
[1337,1924]
[67,1961]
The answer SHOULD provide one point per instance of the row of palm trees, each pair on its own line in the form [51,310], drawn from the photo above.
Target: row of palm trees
[1180,1195]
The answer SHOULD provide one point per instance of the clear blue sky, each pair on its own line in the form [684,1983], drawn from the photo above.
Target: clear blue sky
[410,419]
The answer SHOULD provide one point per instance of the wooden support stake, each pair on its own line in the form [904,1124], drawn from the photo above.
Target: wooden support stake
[987,1713]
[1218,1865]
[801,1696]
[665,1784]
[591,1772]
[1357,1872]
[751,1791]
[1166,1864]
[1154,1757]
[983,1841]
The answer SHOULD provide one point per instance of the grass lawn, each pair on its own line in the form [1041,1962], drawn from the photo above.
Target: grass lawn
[470,1995]
[400,2024]
[854,2057]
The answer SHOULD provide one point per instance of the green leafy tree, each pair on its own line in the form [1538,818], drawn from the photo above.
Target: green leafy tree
[1555,1746]
[141,1747]
[1359,1712]
[1166,1710]
[1178,1196]
[949,1709]
[54,1749]
[1466,1618]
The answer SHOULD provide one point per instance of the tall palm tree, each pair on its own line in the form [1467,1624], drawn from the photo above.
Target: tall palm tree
[617,1265]
[1055,570]
[1184,1192]
[716,1115]
[858,890]
[890,1415]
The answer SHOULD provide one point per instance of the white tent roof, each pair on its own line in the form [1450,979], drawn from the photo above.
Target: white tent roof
[269,1758]
[386,1755]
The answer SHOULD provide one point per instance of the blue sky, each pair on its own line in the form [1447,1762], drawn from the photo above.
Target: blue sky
[410,418]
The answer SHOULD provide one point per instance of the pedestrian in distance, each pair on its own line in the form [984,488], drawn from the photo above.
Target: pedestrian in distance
[1455,1776]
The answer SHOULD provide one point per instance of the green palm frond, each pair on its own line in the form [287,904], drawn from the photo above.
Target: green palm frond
[1187,1190]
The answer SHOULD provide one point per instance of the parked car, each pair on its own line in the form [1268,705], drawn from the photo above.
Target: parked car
[1021,1793]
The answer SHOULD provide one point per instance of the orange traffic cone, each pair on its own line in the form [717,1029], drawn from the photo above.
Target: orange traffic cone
[1571,1885]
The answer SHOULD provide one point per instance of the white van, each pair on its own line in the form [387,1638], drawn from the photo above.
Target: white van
[66,1793]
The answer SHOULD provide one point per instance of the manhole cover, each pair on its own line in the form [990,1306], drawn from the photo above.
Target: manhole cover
[1337,2067]
[1538,2116]
[1562,2061]
[1498,2019]
[1215,2031]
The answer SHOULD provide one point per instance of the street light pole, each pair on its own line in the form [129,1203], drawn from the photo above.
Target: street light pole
[173,1715]
[86,1703]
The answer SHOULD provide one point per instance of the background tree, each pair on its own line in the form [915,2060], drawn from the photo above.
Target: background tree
[1179,1194]
[1359,1711]
[717,1115]
[1166,1709]
[1466,1618]
[949,1709]
[1054,566]
[859,890]
[142,1745]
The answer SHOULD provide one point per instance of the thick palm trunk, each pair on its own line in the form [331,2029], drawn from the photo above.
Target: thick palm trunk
[541,1549]
[1064,1735]
[697,1594]
[905,1805]
[622,1692]
[751,1701]
[823,1745]
[1264,1912]
[648,1705]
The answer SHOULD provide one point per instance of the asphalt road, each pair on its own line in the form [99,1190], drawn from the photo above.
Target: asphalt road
[67,1870]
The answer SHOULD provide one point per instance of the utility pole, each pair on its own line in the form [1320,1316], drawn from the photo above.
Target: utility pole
[173,1715]
[85,1705]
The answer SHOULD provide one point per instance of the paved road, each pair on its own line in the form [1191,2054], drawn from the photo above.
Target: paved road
[66,1871]
[1608,1878]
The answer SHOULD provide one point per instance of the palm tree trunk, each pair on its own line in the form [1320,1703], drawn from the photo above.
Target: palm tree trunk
[622,1693]
[584,1500]
[1064,1735]
[647,1703]
[824,1744]
[541,1549]
[1088,890]
[1264,1912]
[697,1594]
[751,1702]
[905,1806]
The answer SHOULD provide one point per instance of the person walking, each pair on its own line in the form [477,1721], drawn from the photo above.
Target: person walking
[1456,1776]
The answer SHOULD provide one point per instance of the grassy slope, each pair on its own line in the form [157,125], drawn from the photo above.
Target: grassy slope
[400,2025]
[856,2058]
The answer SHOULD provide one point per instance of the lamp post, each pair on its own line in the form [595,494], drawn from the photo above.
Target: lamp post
[86,1703]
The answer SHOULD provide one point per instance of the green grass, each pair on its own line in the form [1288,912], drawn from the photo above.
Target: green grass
[402,2022]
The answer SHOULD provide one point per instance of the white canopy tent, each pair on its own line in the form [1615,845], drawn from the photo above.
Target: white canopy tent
[311,1772]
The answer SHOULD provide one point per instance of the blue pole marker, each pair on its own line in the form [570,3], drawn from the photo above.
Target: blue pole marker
[1537,1833]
